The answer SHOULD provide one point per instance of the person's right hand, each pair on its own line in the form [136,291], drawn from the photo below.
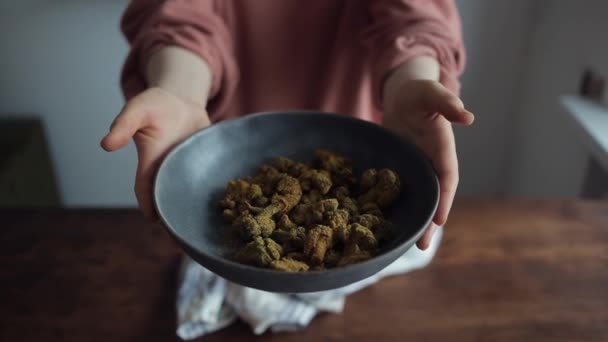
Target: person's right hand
[156,120]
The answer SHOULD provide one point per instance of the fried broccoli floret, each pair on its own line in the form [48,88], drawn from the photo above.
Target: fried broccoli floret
[297,217]
[352,255]
[259,252]
[346,202]
[320,209]
[288,192]
[261,201]
[371,208]
[298,168]
[369,221]
[301,214]
[384,191]
[230,215]
[339,166]
[313,196]
[285,223]
[362,237]
[332,257]
[368,179]
[291,239]
[283,164]
[342,233]
[293,168]
[289,265]
[267,178]
[299,256]
[337,218]
[262,224]
[349,204]
[319,180]
[318,240]
[238,192]
[340,192]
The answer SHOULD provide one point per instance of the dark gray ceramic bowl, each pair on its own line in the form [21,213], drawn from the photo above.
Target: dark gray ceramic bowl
[191,181]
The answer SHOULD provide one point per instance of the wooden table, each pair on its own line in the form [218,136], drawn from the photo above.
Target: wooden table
[507,271]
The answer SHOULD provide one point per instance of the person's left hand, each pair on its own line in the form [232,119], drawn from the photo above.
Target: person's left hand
[423,111]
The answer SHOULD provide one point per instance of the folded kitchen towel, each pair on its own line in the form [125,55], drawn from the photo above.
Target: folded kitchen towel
[207,302]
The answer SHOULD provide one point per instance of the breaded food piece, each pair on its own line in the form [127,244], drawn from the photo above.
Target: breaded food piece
[342,194]
[352,255]
[287,192]
[238,192]
[298,169]
[298,217]
[383,232]
[362,237]
[248,226]
[368,179]
[283,164]
[319,180]
[230,215]
[320,209]
[342,233]
[259,252]
[369,221]
[332,257]
[291,239]
[267,178]
[339,166]
[371,208]
[318,240]
[312,196]
[301,214]
[293,168]
[381,228]
[384,191]
[336,218]
[349,204]
[285,223]
[296,256]
[289,265]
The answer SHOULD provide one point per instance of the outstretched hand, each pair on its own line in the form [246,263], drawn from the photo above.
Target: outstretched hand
[157,120]
[423,111]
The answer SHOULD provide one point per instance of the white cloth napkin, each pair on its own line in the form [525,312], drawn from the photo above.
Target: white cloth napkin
[207,302]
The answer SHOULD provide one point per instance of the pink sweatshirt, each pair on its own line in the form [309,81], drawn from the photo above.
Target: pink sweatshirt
[264,55]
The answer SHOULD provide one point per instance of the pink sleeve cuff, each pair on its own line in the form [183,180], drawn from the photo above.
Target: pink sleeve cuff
[201,32]
[403,49]
[403,29]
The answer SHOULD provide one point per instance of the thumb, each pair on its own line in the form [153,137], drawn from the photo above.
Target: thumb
[442,100]
[126,124]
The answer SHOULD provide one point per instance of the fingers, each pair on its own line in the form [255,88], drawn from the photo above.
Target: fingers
[425,240]
[445,163]
[123,128]
[447,183]
[144,181]
[440,99]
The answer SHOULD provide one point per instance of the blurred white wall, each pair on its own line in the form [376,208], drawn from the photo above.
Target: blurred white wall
[547,159]
[62,59]
[496,36]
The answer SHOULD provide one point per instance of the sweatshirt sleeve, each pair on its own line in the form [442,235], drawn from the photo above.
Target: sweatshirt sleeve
[195,25]
[403,29]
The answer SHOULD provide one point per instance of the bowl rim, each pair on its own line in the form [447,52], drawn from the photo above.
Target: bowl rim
[248,268]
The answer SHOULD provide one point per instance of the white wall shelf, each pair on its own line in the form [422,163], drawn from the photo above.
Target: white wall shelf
[590,120]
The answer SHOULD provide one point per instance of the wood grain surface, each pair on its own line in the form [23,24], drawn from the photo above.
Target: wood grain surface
[506,271]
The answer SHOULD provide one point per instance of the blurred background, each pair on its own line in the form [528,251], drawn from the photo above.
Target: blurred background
[60,63]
